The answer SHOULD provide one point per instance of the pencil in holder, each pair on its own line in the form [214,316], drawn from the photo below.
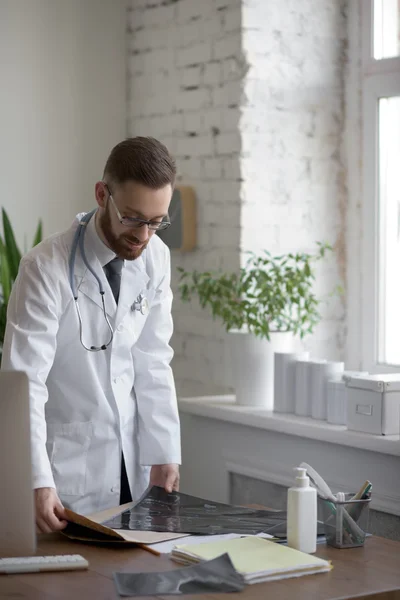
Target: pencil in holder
[345,520]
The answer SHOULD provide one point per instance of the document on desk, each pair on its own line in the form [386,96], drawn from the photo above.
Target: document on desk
[85,529]
[160,511]
[168,547]
[256,559]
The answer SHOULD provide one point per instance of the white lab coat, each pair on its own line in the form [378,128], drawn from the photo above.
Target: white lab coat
[88,406]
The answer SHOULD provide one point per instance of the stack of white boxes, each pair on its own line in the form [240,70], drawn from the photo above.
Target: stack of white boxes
[324,391]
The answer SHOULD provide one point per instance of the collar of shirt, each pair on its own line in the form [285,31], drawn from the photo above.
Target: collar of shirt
[103,252]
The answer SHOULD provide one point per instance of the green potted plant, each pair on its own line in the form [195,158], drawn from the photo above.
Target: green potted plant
[265,305]
[10,257]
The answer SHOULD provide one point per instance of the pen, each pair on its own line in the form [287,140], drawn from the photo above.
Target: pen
[355,509]
[149,549]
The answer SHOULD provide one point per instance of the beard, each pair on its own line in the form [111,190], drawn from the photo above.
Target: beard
[127,246]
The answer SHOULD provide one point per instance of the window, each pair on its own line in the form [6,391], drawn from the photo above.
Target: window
[386,29]
[381,184]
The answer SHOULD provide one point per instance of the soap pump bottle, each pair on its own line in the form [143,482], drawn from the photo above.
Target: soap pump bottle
[302,514]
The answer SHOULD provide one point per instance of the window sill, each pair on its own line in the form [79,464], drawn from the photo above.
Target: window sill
[224,408]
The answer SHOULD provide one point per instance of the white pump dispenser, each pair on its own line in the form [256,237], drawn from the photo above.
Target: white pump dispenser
[302,514]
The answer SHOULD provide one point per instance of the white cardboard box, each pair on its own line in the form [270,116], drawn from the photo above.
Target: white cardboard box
[373,404]
[337,397]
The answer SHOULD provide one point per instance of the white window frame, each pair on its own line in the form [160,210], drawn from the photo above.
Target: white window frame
[379,78]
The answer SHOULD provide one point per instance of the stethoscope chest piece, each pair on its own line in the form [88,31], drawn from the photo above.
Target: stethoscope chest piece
[141,305]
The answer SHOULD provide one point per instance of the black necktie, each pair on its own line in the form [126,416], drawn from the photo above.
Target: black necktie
[113,273]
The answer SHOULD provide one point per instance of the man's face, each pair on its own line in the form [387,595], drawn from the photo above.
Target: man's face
[132,200]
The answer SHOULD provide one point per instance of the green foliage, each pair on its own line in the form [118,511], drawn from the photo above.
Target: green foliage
[10,257]
[271,293]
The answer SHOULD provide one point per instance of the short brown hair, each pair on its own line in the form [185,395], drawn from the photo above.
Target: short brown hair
[141,159]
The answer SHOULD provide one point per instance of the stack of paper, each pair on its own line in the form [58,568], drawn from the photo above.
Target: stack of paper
[168,546]
[256,559]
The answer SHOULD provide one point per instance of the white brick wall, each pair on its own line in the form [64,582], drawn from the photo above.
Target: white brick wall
[291,133]
[249,99]
[185,85]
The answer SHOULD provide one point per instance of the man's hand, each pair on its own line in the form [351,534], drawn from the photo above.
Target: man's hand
[166,476]
[50,513]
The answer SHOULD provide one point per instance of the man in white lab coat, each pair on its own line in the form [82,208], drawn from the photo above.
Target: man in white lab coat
[104,419]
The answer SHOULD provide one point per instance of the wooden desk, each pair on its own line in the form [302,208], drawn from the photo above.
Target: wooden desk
[374,568]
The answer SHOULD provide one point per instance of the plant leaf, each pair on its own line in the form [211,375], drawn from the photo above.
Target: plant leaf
[268,293]
[11,248]
[5,279]
[38,235]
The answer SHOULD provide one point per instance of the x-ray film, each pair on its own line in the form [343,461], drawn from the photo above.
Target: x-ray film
[158,510]
[218,575]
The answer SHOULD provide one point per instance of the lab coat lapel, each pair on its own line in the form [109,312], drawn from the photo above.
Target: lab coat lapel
[88,285]
[133,283]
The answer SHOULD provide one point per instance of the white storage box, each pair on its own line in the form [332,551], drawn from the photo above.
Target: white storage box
[373,404]
[337,397]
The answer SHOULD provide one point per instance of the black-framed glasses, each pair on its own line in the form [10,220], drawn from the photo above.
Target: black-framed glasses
[135,222]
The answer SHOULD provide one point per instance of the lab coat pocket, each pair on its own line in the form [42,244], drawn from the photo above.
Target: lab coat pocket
[142,308]
[139,316]
[68,445]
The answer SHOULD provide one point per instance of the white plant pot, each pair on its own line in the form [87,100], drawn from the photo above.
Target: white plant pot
[253,366]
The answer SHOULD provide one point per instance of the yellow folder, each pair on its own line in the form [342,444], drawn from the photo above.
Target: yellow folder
[257,559]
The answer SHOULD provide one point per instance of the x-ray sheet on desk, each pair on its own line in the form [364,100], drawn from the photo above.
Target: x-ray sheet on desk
[158,510]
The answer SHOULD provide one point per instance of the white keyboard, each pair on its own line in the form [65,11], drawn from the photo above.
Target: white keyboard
[37,564]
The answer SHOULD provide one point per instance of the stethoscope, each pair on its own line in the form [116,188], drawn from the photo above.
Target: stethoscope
[140,304]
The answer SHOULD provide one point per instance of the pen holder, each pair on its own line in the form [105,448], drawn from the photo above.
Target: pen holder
[345,521]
